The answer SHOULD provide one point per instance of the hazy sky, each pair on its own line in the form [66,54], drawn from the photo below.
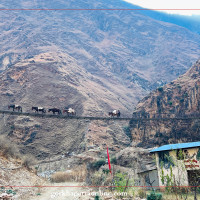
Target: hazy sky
[170,4]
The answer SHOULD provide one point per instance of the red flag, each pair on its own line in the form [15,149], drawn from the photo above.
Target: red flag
[109,161]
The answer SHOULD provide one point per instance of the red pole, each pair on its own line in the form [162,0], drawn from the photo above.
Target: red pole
[109,161]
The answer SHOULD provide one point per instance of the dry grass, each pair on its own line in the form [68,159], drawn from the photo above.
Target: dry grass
[173,196]
[28,161]
[10,150]
[77,175]
[142,193]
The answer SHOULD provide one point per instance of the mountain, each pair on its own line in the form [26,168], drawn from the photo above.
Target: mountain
[135,49]
[190,22]
[56,80]
[180,98]
[92,60]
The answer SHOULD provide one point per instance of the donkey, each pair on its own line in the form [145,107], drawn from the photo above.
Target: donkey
[69,111]
[55,110]
[15,107]
[114,113]
[39,109]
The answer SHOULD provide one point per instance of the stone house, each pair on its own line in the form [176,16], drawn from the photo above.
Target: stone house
[148,174]
[180,161]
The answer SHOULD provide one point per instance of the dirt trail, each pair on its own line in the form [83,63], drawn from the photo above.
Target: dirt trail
[64,193]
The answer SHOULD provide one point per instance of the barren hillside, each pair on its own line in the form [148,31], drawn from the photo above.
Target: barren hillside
[17,180]
[140,52]
[56,80]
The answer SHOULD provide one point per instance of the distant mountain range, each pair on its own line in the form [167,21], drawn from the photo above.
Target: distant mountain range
[192,22]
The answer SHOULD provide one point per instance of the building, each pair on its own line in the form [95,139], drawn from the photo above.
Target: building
[178,162]
[148,174]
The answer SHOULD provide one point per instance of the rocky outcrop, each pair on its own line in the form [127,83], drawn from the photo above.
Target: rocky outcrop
[180,98]
[12,173]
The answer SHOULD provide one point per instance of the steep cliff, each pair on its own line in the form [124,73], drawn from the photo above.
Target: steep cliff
[180,98]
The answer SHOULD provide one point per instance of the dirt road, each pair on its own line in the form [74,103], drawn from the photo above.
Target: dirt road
[62,192]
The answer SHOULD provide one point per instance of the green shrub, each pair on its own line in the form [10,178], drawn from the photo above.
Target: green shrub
[114,160]
[97,197]
[106,171]
[160,89]
[121,180]
[154,196]
[96,165]
[170,103]
[11,192]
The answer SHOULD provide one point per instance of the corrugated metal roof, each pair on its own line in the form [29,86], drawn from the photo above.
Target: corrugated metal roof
[176,146]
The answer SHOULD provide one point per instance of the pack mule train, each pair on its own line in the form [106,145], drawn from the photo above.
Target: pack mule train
[67,110]
[15,107]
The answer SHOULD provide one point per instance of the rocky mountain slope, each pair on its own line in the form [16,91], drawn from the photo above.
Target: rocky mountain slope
[56,80]
[92,60]
[140,52]
[180,98]
[13,174]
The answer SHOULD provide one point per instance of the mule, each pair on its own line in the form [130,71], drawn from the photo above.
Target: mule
[55,110]
[69,111]
[114,113]
[15,107]
[39,109]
